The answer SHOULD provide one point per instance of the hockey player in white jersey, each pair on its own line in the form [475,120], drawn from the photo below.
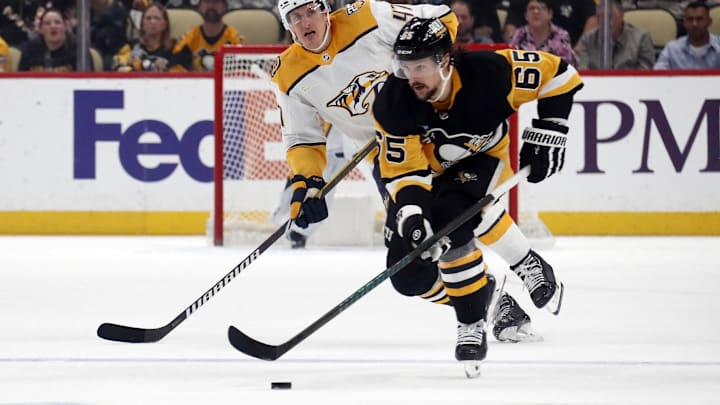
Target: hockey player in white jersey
[332,72]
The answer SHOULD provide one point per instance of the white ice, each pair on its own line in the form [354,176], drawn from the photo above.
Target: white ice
[639,325]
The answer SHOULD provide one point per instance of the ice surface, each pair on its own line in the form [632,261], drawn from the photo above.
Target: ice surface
[639,325]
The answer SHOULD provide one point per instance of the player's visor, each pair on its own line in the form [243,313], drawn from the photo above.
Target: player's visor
[417,69]
[310,10]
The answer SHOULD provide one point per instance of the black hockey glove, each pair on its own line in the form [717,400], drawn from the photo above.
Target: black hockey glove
[414,228]
[305,208]
[543,148]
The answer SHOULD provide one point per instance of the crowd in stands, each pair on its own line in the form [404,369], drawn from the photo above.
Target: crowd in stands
[631,47]
[135,35]
[44,33]
[539,33]
[152,50]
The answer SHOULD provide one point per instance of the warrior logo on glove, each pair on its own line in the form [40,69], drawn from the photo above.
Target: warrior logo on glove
[543,148]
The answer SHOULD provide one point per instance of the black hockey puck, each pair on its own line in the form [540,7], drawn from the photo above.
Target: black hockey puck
[281,385]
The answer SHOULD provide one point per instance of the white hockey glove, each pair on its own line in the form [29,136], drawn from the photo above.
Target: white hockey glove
[414,228]
[543,148]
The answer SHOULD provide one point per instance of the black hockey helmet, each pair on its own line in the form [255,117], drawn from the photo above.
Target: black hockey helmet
[423,37]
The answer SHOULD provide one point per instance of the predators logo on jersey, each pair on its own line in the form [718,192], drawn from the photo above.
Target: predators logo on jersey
[355,98]
[275,67]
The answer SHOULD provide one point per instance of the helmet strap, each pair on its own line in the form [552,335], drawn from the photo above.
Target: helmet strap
[445,81]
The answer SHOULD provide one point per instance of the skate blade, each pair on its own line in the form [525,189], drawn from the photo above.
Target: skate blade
[493,306]
[556,301]
[523,334]
[472,368]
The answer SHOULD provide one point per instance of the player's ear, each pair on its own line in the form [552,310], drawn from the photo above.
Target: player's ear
[445,60]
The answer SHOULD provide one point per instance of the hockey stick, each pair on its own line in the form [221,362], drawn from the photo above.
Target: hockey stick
[263,351]
[121,333]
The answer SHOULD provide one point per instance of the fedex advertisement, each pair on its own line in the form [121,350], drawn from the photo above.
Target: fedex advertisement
[640,147]
[89,132]
[103,144]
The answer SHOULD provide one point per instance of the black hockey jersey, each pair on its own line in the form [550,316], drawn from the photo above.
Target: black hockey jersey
[418,139]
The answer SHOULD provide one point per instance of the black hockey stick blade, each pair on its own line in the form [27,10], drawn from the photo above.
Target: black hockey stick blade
[254,348]
[130,334]
[264,351]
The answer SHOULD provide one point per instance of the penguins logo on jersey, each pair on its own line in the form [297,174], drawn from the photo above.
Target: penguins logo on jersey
[452,148]
[355,97]
[465,176]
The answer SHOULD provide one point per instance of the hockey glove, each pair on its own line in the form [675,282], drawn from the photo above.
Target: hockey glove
[305,208]
[543,148]
[414,228]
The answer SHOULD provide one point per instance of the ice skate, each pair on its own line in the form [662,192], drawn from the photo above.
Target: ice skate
[539,279]
[511,323]
[471,346]
[297,240]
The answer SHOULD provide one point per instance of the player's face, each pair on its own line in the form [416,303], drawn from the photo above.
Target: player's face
[308,23]
[423,76]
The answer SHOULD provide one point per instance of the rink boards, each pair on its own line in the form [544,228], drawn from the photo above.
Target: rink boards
[134,155]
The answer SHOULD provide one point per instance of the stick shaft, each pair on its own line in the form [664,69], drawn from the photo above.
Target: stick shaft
[122,333]
[264,351]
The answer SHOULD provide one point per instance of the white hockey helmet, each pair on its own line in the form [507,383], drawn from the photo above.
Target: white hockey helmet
[286,6]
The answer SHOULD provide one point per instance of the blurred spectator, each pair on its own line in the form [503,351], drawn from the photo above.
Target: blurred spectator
[17,20]
[699,49]
[135,11]
[466,24]
[53,51]
[108,27]
[196,50]
[153,50]
[487,23]
[4,56]
[631,48]
[540,34]
[575,16]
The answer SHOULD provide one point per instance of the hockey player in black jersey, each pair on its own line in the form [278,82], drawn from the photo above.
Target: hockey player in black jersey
[441,124]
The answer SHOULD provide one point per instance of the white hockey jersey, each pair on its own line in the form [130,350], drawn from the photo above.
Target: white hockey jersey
[339,84]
